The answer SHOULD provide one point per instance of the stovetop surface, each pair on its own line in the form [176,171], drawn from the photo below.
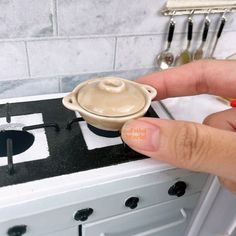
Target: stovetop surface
[68,151]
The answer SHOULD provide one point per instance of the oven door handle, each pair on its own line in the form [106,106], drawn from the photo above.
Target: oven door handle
[180,220]
[232,230]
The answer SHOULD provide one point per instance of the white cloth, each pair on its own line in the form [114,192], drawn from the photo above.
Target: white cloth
[195,108]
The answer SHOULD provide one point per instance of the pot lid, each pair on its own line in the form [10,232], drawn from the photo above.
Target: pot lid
[111,97]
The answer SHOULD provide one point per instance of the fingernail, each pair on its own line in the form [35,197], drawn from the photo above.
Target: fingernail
[141,135]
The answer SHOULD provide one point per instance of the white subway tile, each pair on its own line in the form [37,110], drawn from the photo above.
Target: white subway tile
[79,17]
[28,87]
[137,52]
[13,61]
[68,83]
[60,57]
[226,45]
[25,18]
[96,17]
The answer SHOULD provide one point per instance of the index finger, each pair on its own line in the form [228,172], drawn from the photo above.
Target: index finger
[216,77]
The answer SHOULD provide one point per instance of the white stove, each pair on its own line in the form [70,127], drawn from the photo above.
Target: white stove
[40,150]
[56,191]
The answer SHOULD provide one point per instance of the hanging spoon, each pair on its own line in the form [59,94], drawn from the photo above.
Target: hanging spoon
[186,56]
[199,52]
[165,59]
[222,24]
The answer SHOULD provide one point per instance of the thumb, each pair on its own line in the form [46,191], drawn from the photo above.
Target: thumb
[184,144]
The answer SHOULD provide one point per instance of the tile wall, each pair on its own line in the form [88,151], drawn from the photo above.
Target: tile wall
[49,46]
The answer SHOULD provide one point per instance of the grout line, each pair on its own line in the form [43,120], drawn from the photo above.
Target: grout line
[27,59]
[59,84]
[94,36]
[56,14]
[54,17]
[114,58]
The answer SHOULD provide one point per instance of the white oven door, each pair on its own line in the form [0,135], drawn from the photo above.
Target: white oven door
[166,219]
[67,232]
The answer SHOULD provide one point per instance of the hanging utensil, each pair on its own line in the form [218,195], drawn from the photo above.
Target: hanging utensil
[186,56]
[222,24]
[199,52]
[165,59]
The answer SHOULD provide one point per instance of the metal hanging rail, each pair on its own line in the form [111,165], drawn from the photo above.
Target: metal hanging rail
[198,10]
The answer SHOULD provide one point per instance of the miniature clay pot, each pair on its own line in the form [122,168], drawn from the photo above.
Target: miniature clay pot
[107,103]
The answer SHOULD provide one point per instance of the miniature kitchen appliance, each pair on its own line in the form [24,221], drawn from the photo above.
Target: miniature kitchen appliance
[85,184]
[107,103]
[74,182]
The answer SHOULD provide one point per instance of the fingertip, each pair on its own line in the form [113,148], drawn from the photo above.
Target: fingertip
[141,135]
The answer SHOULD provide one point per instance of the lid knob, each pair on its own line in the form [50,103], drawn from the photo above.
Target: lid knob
[112,85]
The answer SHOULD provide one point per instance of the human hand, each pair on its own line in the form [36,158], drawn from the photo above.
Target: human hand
[210,147]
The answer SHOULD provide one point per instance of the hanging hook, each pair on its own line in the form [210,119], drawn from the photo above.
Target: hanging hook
[224,13]
[207,18]
[190,17]
[172,16]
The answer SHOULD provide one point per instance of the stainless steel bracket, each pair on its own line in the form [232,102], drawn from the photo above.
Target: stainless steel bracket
[167,11]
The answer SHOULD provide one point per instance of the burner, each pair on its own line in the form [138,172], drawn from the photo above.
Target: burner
[21,141]
[104,133]
[97,131]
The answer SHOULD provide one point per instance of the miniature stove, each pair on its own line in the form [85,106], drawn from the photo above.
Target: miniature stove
[62,143]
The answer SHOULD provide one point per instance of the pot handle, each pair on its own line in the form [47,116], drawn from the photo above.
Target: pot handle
[70,102]
[151,91]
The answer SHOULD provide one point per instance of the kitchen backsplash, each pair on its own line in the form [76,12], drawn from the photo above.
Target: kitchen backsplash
[48,46]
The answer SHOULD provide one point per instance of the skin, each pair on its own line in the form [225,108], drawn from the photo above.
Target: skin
[209,147]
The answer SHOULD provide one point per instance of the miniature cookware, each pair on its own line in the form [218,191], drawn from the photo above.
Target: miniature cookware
[107,103]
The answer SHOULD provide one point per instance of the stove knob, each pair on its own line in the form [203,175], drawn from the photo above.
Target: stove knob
[17,230]
[132,202]
[178,189]
[82,215]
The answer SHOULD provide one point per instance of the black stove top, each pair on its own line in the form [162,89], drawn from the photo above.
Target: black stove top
[68,152]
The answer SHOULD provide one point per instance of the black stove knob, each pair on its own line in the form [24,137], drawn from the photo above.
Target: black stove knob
[17,230]
[178,189]
[132,202]
[83,214]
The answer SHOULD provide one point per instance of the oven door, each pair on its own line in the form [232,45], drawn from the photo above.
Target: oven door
[166,219]
[67,232]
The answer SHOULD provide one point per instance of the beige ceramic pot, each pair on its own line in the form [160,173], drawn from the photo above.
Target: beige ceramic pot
[107,103]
